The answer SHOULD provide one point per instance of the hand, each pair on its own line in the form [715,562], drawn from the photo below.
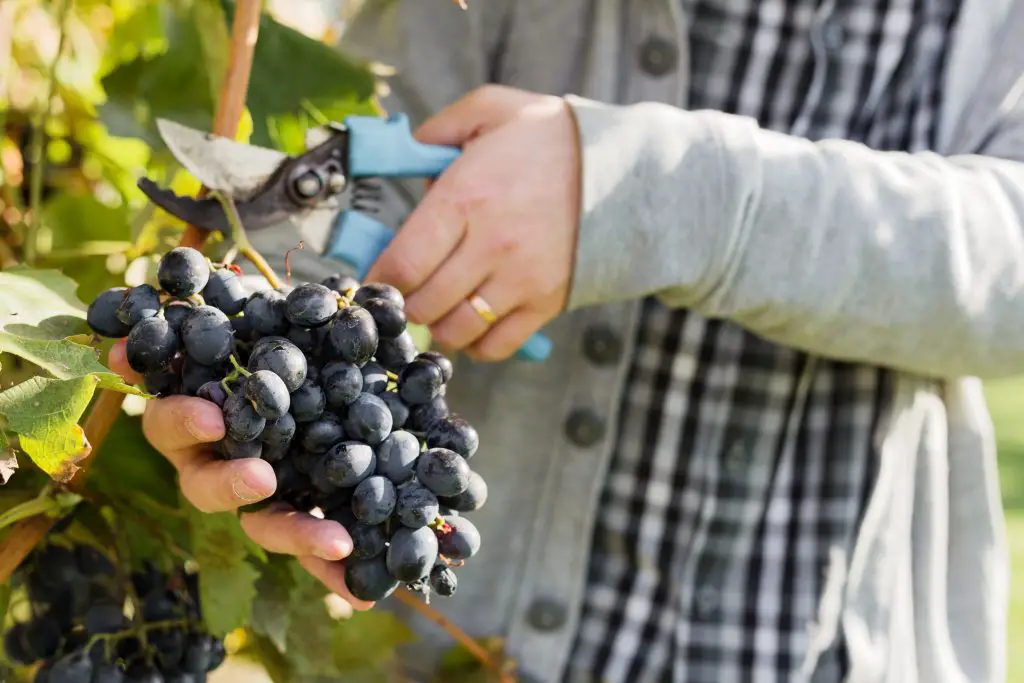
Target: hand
[215,485]
[501,222]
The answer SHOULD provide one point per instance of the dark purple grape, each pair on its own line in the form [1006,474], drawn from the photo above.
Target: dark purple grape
[416,506]
[411,553]
[368,540]
[15,646]
[399,411]
[305,339]
[462,541]
[455,434]
[308,402]
[310,305]
[242,421]
[265,310]
[139,303]
[225,291]
[279,432]
[318,436]
[175,313]
[106,672]
[397,455]
[104,617]
[353,337]
[369,580]
[151,345]
[41,637]
[395,354]
[473,498]
[368,419]
[208,335]
[194,374]
[342,383]
[243,330]
[268,394]
[443,580]
[340,283]
[213,392]
[421,417]
[439,359]
[374,500]
[162,383]
[389,316]
[379,290]
[274,453]
[444,472]
[375,378]
[420,382]
[92,562]
[217,655]
[281,357]
[182,272]
[74,667]
[102,316]
[346,464]
[238,450]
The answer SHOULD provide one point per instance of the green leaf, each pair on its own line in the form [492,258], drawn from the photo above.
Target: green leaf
[34,296]
[130,465]
[290,69]
[310,637]
[226,580]
[270,614]
[368,639]
[45,413]
[8,459]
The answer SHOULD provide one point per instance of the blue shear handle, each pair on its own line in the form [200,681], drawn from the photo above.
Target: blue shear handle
[359,239]
[385,148]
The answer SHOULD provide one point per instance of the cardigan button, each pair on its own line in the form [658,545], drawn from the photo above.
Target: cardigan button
[602,345]
[658,56]
[546,615]
[584,427]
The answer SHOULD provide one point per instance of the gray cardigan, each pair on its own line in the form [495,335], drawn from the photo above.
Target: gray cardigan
[914,262]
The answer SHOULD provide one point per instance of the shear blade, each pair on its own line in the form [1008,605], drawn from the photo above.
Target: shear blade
[235,169]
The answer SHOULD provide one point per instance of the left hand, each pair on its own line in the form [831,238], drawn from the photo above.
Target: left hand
[500,222]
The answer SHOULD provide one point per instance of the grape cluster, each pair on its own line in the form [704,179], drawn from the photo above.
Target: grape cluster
[323,381]
[81,632]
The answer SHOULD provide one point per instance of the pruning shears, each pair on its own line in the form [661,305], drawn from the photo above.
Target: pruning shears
[270,188]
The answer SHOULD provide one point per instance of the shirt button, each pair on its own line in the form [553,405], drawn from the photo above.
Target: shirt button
[546,615]
[658,56]
[584,427]
[601,344]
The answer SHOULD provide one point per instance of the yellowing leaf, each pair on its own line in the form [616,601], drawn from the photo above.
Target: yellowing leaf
[45,413]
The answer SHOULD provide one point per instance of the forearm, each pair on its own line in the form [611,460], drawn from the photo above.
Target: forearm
[910,261]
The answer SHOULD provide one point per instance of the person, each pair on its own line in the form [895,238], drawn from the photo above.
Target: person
[777,245]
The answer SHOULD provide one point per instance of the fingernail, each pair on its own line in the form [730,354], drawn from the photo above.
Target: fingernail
[333,550]
[202,427]
[251,486]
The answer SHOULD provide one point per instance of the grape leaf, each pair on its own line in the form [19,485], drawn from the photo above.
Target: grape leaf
[227,581]
[31,296]
[270,617]
[45,412]
[310,637]
[368,639]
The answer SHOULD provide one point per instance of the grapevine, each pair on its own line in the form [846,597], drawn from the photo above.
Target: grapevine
[106,579]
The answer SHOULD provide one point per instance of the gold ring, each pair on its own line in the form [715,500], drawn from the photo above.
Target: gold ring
[483,309]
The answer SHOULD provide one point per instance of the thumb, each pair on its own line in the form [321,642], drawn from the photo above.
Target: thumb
[472,115]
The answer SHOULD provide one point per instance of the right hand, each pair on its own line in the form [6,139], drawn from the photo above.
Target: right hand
[215,485]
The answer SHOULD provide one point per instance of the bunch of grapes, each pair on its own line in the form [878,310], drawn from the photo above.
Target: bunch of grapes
[324,382]
[90,625]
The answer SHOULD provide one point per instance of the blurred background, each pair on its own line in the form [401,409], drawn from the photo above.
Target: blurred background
[96,104]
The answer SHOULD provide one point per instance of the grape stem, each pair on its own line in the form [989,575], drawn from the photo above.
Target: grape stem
[474,648]
[241,240]
[43,504]
[239,370]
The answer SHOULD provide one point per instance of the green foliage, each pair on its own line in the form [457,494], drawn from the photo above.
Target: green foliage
[126,63]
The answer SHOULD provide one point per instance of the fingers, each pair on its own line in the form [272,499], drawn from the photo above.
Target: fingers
[472,114]
[332,575]
[428,236]
[281,529]
[464,325]
[214,485]
[177,424]
[508,334]
[183,429]
[451,284]
[118,359]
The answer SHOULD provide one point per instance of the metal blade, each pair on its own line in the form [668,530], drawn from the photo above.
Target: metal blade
[220,163]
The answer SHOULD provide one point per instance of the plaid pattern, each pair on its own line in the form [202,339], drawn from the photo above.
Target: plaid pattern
[742,468]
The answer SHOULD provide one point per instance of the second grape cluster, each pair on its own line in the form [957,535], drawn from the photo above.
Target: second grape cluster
[323,381]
